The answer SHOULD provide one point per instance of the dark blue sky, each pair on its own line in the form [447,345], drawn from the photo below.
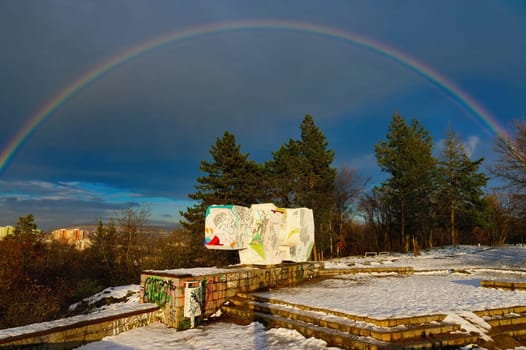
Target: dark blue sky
[136,135]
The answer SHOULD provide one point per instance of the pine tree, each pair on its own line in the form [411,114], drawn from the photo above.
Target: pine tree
[318,178]
[231,178]
[460,186]
[301,175]
[407,156]
[282,175]
[25,227]
[105,252]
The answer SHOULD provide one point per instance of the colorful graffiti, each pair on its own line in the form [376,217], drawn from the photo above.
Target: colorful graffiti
[227,227]
[157,290]
[263,233]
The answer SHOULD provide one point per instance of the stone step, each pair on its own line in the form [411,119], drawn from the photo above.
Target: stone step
[345,340]
[329,320]
[504,285]
[331,336]
[404,270]
[501,311]
[391,322]
[507,320]
[511,330]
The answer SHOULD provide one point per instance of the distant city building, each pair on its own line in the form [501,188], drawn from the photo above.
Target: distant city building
[78,237]
[6,230]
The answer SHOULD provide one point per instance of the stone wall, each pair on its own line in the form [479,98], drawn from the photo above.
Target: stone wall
[76,331]
[215,287]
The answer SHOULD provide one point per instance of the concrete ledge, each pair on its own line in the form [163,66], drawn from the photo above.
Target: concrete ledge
[354,270]
[503,285]
[76,331]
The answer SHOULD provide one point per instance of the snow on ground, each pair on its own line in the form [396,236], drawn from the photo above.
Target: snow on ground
[126,296]
[446,281]
[196,271]
[219,335]
[450,257]
[130,302]
[396,296]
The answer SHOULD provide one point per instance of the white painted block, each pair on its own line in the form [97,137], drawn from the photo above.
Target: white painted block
[227,227]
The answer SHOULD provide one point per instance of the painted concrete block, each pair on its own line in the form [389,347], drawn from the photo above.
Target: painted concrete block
[266,225]
[263,234]
[227,227]
[297,236]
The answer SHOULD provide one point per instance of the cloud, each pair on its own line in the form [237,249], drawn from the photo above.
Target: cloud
[140,130]
[51,213]
[59,204]
[470,145]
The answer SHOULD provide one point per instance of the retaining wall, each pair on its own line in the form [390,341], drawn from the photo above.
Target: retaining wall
[76,331]
[215,287]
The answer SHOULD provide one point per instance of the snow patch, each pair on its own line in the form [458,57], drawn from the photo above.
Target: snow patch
[470,322]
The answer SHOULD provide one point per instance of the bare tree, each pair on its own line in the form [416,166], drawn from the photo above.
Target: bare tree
[500,215]
[135,239]
[511,165]
[347,188]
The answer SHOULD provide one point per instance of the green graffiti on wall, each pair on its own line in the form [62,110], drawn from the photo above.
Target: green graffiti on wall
[157,290]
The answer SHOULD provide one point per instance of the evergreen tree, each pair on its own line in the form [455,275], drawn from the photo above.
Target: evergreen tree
[231,178]
[301,175]
[105,252]
[282,175]
[407,156]
[26,227]
[317,181]
[460,186]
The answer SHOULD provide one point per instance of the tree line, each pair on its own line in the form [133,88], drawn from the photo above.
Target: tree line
[430,196]
[425,200]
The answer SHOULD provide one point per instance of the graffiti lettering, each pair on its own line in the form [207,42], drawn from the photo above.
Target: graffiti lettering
[157,290]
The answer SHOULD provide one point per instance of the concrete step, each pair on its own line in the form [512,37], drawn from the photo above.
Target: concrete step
[501,311]
[504,285]
[345,340]
[511,330]
[329,320]
[349,331]
[333,337]
[390,322]
[508,320]
[404,270]
[505,321]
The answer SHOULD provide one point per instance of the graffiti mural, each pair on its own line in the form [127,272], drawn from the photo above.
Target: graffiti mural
[262,234]
[157,290]
[227,227]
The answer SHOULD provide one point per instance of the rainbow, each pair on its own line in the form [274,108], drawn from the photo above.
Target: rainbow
[47,109]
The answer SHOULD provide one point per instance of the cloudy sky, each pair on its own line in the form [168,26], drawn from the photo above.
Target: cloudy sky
[110,104]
